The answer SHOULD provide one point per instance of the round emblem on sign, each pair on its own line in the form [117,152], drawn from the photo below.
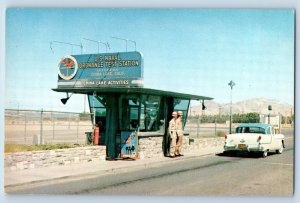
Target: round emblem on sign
[67,67]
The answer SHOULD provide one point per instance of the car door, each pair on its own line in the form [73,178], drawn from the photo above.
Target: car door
[274,141]
[267,138]
[277,140]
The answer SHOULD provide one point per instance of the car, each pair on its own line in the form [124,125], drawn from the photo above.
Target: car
[254,137]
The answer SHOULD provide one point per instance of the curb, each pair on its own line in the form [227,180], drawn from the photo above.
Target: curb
[110,170]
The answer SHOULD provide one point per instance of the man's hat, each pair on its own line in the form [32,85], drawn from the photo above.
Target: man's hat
[180,113]
[174,113]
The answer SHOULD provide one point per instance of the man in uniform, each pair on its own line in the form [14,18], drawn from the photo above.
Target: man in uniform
[179,133]
[172,134]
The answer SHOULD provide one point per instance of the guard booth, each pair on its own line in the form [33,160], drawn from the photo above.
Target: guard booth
[119,103]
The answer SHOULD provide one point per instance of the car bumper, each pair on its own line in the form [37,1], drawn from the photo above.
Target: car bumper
[247,148]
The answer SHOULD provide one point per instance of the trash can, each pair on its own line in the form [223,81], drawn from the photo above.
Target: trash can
[89,138]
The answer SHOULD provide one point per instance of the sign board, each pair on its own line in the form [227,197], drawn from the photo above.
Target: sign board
[122,69]
[129,144]
[275,120]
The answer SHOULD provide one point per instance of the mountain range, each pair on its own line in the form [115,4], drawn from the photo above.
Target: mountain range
[257,105]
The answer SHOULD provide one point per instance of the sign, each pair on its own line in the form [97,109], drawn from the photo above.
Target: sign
[274,120]
[129,145]
[101,70]
[67,67]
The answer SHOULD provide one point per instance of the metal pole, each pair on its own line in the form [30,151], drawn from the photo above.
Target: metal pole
[94,111]
[41,128]
[121,39]
[230,119]
[81,47]
[134,44]
[270,109]
[105,45]
[98,42]
[231,84]
[126,40]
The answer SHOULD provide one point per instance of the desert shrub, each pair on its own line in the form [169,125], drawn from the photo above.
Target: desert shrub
[221,133]
[11,148]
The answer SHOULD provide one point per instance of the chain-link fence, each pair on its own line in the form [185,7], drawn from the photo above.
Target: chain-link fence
[218,125]
[52,127]
[46,127]
[208,126]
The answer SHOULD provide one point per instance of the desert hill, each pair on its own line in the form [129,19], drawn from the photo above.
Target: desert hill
[258,105]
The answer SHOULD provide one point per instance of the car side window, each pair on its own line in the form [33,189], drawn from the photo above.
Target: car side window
[268,131]
[238,130]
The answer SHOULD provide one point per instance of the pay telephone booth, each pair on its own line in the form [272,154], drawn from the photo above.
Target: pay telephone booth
[120,105]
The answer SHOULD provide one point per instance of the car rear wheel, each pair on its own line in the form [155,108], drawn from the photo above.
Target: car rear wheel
[229,153]
[264,154]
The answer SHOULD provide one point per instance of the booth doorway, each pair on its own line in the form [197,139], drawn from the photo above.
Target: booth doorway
[129,119]
[98,108]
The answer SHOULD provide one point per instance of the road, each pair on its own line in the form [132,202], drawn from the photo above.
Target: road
[218,174]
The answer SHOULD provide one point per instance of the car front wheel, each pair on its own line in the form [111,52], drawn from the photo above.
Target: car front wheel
[280,150]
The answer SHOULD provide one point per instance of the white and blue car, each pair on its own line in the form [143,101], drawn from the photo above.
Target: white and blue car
[254,137]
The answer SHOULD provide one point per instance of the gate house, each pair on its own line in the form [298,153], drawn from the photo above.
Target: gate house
[120,104]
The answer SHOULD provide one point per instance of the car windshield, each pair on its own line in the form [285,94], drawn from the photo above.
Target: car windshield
[250,130]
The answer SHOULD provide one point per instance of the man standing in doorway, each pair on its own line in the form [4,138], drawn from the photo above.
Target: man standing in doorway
[172,134]
[179,133]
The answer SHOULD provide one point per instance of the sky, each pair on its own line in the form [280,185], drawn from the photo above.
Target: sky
[195,51]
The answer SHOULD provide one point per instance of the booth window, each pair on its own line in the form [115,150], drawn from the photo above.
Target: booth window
[97,104]
[129,112]
[182,105]
[149,119]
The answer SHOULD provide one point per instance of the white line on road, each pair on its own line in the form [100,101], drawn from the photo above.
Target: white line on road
[279,164]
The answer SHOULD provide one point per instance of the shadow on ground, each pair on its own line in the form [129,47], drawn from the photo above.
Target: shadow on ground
[250,155]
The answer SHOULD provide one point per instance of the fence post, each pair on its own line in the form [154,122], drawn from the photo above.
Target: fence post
[25,119]
[77,127]
[280,117]
[198,126]
[215,125]
[69,119]
[41,128]
[52,119]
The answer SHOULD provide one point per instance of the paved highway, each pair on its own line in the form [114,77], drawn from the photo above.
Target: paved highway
[209,175]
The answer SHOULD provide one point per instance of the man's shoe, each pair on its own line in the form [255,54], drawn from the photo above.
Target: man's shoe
[172,157]
[180,155]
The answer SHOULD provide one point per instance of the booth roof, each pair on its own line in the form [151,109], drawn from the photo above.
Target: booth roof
[132,91]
